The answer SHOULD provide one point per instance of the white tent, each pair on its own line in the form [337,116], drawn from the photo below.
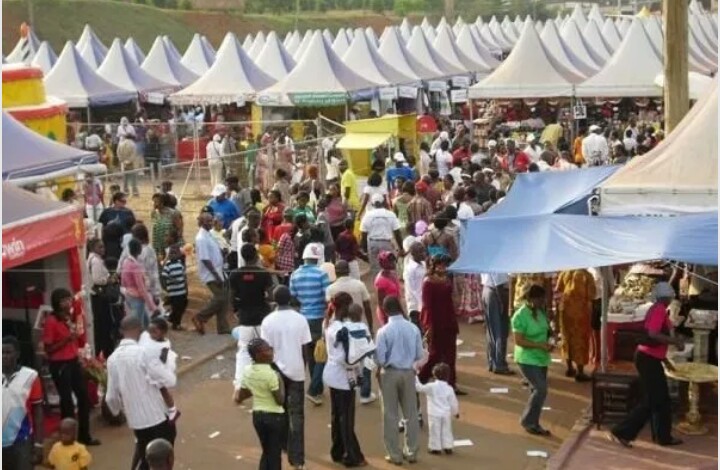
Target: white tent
[578,16]
[526,73]
[705,27]
[576,43]
[701,42]
[122,71]
[79,85]
[328,35]
[405,29]
[698,84]
[134,50]
[350,34]
[293,43]
[577,70]
[447,48]
[248,42]
[474,49]
[430,59]
[394,52]
[678,176]
[655,33]
[442,23]
[160,64]
[630,72]
[16,55]
[45,58]
[341,43]
[623,26]
[208,46]
[595,41]
[428,33]
[288,35]
[611,35]
[370,33]
[595,15]
[274,59]
[198,58]
[363,57]
[483,34]
[319,78]
[303,45]
[91,48]
[508,28]
[232,78]
[257,45]
[174,52]
[459,23]
[506,43]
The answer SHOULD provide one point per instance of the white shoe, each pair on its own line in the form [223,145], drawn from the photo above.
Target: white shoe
[368,400]
[317,401]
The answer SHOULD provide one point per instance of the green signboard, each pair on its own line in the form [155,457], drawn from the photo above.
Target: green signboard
[318,99]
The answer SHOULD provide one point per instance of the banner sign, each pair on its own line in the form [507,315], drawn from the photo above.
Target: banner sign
[458,96]
[407,92]
[437,86]
[388,94]
[461,82]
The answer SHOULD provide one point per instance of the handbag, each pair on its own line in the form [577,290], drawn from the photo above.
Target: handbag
[320,352]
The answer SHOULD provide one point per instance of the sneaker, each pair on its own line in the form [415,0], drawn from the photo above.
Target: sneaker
[369,399]
[315,400]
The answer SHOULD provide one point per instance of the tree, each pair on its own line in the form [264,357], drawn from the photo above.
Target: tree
[377,6]
[186,5]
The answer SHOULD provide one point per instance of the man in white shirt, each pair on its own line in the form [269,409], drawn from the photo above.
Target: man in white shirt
[210,271]
[495,299]
[533,150]
[442,137]
[443,158]
[595,147]
[629,142]
[134,382]
[214,153]
[288,332]
[414,274]
[378,227]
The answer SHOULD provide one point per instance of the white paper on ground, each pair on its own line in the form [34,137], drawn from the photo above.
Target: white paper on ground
[537,453]
[463,443]
[185,358]
[238,457]
[459,342]
[215,375]
[546,408]
[467,354]
[220,357]
[499,390]
[556,360]
[214,435]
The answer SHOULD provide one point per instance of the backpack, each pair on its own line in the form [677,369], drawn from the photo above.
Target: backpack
[357,344]
[436,250]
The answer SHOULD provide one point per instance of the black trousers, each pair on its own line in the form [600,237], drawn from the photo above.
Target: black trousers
[104,325]
[69,379]
[178,304]
[269,428]
[345,446]
[655,405]
[165,430]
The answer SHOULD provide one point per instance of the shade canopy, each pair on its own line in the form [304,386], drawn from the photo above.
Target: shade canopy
[75,82]
[698,84]
[577,70]
[363,56]
[393,50]
[611,35]
[27,153]
[120,69]
[233,77]
[362,140]
[16,55]
[45,58]
[198,58]
[91,48]
[257,45]
[595,41]
[425,53]
[165,65]
[573,37]
[274,59]
[445,45]
[341,43]
[136,53]
[474,49]
[678,176]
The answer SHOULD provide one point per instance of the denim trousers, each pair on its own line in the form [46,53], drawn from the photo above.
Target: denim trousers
[130,181]
[497,323]
[537,376]
[315,368]
[136,308]
[268,427]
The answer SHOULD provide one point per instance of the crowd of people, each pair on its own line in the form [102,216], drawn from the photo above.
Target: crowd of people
[282,251]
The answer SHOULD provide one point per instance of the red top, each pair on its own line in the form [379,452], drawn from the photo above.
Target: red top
[437,312]
[656,321]
[285,227]
[521,162]
[54,331]
[459,155]
[387,286]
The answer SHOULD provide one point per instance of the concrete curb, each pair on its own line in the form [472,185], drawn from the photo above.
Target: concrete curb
[195,363]
[580,429]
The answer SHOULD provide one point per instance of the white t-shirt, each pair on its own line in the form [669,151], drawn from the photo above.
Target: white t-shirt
[335,374]
[441,399]
[379,224]
[455,173]
[465,212]
[154,348]
[444,162]
[355,287]
[213,149]
[413,274]
[207,248]
[287,332]
[333,172]
[372,190]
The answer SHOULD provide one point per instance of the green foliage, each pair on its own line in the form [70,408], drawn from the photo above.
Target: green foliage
[186,5]
[378,6]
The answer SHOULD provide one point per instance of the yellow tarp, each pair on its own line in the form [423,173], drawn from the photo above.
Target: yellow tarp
[363,140]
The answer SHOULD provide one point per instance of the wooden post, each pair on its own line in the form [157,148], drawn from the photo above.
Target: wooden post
[677,101]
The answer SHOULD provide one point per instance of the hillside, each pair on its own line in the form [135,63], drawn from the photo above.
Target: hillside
[61,20]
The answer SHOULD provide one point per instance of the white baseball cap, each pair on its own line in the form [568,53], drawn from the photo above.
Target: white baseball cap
[311,251]
[218,190]
[594,128]
[444,135]
[399,157]
[492,143]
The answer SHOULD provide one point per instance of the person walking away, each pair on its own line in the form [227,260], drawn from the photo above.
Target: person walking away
[117,220]
[495,298]
[595,148]
[157,345]
[138,299]
[210,271]
[153,152]
[288,333]
[130,389]
[93,194]
[533,343]
[399,347]
[419,208]
[378,228]
[22,410]
[577,288]
[348,248]
[349,188]
[649,358]
[308,285]
[128,156]
[67,453]
[442,405]
[160,455]
[60,339]
[174,280]
[101,291]
[267,390]
[213,153]
[386,282]
[342,381]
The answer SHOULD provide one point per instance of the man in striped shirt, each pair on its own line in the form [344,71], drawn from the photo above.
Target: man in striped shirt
[174,279]
[308,285]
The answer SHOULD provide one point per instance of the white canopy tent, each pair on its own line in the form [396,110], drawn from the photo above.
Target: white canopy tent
[501,38]
[508,28]
[474,49]
[257,45]
[341,43]
[45,58]
[623,25]
[630,72]
[208,46]
[233,78]
[91,48]
[303,45]
[611,35]
[446,46]
[122,71]
[595,41]
[486,37]
[405,29]
[16,55]
[678,176]
[134,50]
[372,37]
[698,84]
[423,51]
[174,52]
[363,57]
[393,51]
[198,58]
[293,42]
[161,64]
[578,16]
[575,41]
[566,59]
[248,42]
[274,59]
[459,23]
[528,72]
[328,35]
[595,15]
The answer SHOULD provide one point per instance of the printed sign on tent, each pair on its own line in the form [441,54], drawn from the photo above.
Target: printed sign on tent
[579,112]
[458,96]
[407,92]
[156,98]
[388,94]
[461,82]
[437,86]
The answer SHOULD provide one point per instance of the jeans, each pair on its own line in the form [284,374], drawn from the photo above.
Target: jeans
[345,445]
[136,307]
[269,430]
[366,383]
[495,301]
[398,393]
[18,456]
[178,304]
[69,379]
[217,306]
[294,422]
[655,405]
[315,368]
[165,430]
[130,178]
[537,376]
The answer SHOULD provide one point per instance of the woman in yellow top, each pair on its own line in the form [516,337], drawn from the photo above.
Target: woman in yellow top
[577,147]
[577,291]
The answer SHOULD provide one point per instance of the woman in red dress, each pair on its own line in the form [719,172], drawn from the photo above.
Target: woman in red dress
[438,319]
[272,215]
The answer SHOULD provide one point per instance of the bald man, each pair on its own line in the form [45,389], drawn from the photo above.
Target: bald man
[160,455]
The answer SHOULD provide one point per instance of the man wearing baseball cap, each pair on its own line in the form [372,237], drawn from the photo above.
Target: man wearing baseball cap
[223,206]
[595,148]
[378,227]
[400,170]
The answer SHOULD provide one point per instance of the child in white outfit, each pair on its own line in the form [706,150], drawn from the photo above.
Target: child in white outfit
[156,345]
[442,405]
